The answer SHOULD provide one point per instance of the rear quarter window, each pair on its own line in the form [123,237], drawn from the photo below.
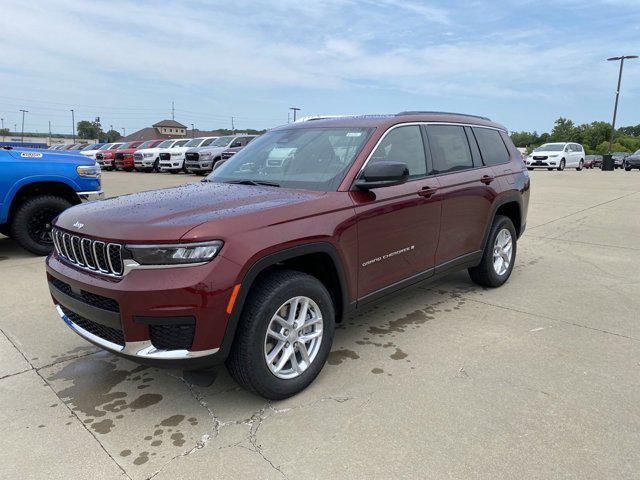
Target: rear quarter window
[492,148]
[449,148]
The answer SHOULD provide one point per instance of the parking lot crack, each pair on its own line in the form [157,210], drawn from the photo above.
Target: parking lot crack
[566,322]
[73,413]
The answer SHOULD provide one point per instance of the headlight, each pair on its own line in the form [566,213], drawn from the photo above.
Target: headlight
[91,171]
[553,156]
[183,253]
[205,154]
[146,155]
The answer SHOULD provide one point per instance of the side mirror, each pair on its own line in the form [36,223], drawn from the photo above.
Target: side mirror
[383,174]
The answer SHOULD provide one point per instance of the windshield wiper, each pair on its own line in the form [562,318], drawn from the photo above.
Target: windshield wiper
[253,182]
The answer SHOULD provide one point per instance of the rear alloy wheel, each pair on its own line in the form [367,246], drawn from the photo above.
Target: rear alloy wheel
[284,335]
[499,254]
[561,166]
[580,165]
[31,223]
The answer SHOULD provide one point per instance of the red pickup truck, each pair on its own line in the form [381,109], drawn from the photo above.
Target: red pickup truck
[124,156]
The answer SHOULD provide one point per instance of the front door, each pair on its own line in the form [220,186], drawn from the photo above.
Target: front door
[398,225]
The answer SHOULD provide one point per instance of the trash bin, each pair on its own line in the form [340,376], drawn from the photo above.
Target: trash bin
[608,164]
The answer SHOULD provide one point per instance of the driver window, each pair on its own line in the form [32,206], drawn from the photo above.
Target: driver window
[403,144]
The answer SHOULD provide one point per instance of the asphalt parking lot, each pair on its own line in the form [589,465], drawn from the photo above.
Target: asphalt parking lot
[537,379]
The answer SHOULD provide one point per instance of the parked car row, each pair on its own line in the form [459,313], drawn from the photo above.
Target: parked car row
[197,155]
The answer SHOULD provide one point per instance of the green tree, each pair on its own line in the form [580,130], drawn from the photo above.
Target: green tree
[565,131]
[89,130]
[111,136]
[633,131]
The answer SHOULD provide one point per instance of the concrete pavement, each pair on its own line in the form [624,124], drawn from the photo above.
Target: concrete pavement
[537,379]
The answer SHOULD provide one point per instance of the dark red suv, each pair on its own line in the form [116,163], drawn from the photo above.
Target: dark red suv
[309,222]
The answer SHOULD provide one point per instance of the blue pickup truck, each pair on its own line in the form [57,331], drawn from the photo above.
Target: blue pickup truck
[36,186]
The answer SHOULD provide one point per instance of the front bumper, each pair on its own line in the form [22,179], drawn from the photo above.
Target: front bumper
[542,163]
[90,196]
[199,166]
[143,303]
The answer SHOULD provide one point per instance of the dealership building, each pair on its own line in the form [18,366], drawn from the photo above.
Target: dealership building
[168,129]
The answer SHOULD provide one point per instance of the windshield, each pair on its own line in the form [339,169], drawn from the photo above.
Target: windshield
[123,146]
[107,146]
[179,143]
[165,144]
[306,158]
[222,141]
[637,152]
[194,143]
[90,147]
[550,147]
[146,144]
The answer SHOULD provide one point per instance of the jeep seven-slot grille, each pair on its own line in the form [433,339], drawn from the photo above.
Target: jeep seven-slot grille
[89,254]
[110,334]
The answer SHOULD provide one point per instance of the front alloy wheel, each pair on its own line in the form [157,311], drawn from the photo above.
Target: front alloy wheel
[502,252]
[562,164]
[293,337]
[284,334]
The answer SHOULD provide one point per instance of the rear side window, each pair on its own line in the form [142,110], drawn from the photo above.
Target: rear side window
[492,148]
[403,144]
[449,148]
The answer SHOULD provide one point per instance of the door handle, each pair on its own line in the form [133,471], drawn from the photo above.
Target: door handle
[487,179]
[427,192]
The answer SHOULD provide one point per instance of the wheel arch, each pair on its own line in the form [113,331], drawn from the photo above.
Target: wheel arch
[319,259]
[509,205]
[35,189]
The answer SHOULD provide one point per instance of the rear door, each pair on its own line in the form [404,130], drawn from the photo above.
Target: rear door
[398,225]
[467,189]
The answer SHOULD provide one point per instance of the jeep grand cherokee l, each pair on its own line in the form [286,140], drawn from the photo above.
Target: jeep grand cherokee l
[256,264]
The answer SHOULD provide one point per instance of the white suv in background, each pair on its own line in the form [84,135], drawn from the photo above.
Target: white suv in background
[557,156]
[172,159]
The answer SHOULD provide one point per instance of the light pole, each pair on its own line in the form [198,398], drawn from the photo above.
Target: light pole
[22,135]
[2,120]
[295,111]
[124,132]
[73,125]
[615,108]
[193,130]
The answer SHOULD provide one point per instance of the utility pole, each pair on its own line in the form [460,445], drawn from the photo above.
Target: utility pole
[49,132]
[295,111]
[22,135]
[2,121]
[233,126]
[288,116]
[615,108]
[124,132]
[173,111]
[73,125]
[193,128]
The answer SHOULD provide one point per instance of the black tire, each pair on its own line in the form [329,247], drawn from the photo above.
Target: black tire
[529,168]
[562,164]
[579,168]
[4,230]
[627,169]
[173,172]
[156,166]
[246,362]
[31,223]
[550,169]
[485,274]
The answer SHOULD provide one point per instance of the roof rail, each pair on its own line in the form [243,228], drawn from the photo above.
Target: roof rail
[320,117]
[418,112]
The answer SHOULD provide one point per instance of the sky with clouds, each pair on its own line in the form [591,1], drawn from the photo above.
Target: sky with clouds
[521,62]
